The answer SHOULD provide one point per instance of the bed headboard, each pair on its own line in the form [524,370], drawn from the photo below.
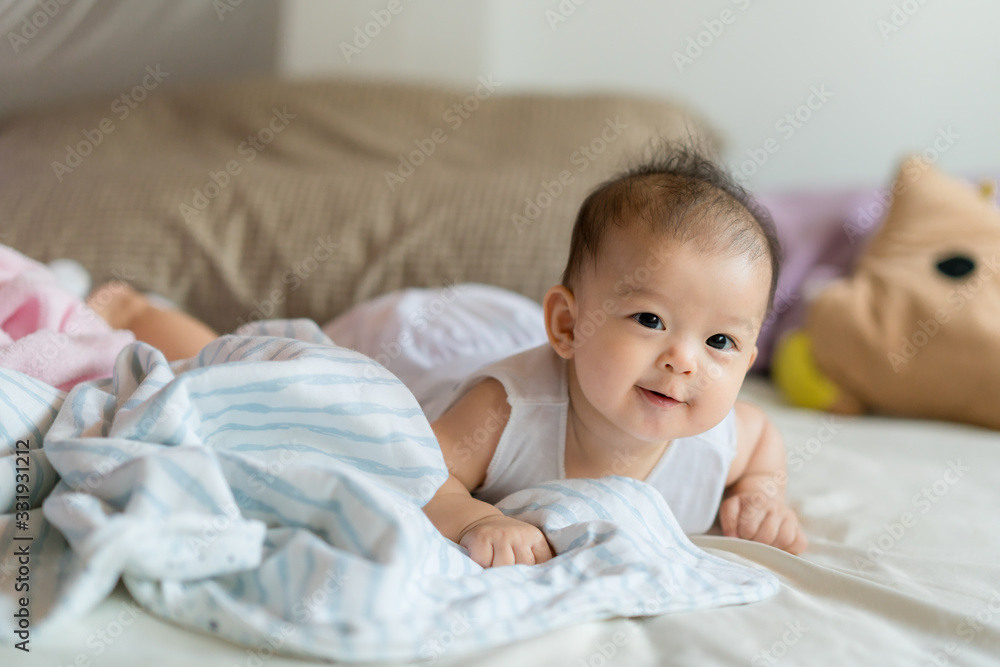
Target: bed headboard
[272,198]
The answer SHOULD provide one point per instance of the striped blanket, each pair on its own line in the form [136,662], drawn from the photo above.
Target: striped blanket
[268,491]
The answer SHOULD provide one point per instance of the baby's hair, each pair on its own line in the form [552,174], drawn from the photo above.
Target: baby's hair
[679,192]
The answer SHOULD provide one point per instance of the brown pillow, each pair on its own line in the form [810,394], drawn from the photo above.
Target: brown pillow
[913,331]
[273,198]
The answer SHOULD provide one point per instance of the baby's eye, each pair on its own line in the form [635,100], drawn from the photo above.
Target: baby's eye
[648,320]
[718,341]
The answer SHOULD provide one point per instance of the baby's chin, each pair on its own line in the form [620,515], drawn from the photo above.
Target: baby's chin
[654,435]
[657,436]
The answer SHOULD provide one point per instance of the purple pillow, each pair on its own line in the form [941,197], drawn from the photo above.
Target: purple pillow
[821,233]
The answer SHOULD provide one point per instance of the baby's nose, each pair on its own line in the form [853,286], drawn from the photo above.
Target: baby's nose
[678,356]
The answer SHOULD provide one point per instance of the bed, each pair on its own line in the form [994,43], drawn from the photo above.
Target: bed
[272,199]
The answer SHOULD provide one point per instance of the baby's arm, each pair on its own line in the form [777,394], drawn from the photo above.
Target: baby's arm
[491,538]
[753,505]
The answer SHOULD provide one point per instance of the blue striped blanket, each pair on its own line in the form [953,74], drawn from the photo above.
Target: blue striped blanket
[268,491]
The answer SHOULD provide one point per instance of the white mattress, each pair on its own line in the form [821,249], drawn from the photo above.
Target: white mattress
[868,591]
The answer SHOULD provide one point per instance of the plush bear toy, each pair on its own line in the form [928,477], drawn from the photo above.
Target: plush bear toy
[914,331]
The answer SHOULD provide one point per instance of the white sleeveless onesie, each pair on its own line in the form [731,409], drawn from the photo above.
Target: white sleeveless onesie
[441,342]
[691,474]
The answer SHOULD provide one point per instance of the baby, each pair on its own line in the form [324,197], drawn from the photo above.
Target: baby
[671,273]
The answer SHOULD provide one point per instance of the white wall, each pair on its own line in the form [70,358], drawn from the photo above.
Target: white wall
[430,40]
[892,92]
[55,50]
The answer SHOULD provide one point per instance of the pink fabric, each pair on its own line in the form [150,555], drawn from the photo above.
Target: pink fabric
[48,333]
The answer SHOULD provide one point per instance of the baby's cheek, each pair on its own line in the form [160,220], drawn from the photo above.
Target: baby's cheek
[591,368]
[598,371]
[703,418]
[716,398]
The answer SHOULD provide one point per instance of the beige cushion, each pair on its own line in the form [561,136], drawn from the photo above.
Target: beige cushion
[308,223]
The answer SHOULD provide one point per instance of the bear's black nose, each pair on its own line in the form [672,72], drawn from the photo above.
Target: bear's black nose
[956,266]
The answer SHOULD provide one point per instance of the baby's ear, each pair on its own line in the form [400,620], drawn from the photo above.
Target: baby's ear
[560,318]
[753,357]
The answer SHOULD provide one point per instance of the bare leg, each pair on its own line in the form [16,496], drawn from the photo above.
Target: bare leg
[173,332]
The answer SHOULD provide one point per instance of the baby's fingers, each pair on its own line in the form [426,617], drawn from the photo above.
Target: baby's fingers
[800,543]
[541,550]
[790,536]
[532,549]
[481,552]
[729,514]
[787,534]
[749,519]
[523,553]
[768,530]
[503,554]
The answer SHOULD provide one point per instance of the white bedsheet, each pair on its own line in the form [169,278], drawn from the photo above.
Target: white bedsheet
[866,592]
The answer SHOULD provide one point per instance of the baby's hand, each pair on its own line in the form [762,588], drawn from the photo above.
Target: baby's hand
[769,521]
[500,540]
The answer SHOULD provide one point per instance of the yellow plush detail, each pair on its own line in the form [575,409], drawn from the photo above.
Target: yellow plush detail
[796,375]
[988,190]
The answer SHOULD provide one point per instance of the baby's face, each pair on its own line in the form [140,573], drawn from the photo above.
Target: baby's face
[679,336]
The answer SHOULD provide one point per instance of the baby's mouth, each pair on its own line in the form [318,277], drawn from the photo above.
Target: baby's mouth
[658,399]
